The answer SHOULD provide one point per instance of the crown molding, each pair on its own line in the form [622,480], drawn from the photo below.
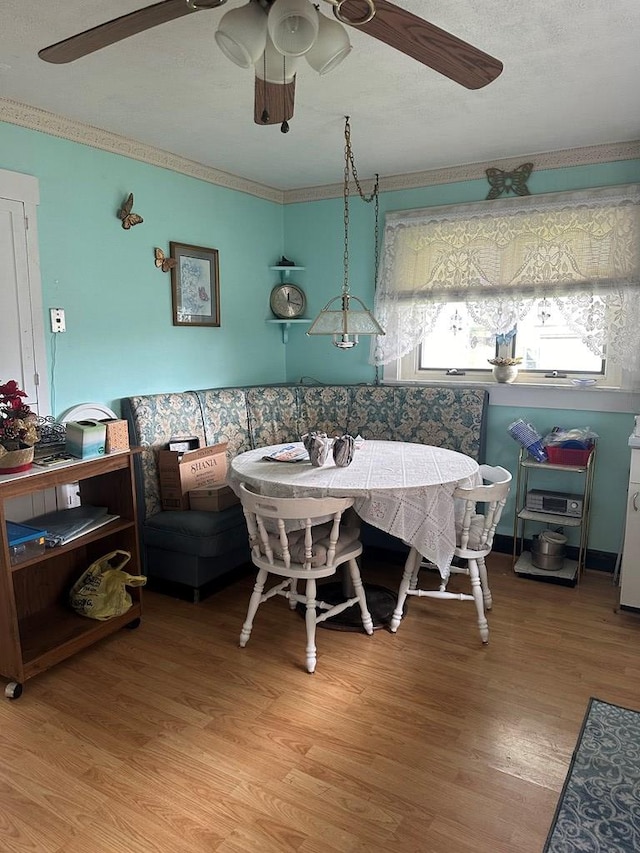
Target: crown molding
[476,171]
[75,131]
[34,118]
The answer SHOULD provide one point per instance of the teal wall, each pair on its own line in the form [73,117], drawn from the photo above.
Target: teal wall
[121,341]
[314,238]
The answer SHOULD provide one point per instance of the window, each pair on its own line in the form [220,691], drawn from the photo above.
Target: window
[543,340]
[456,342]
[554,279]
[548,344]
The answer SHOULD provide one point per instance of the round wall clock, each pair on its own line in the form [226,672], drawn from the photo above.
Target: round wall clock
[287,301]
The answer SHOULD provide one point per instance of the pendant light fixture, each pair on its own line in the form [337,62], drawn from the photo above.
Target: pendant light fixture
[340,317]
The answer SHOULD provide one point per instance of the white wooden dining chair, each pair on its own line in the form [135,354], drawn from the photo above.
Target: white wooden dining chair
[474,539]
[314,550]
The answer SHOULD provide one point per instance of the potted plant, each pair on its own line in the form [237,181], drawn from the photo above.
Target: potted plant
[18,429]
[505,369]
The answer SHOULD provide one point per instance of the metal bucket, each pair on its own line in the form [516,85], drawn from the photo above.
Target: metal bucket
[547,551]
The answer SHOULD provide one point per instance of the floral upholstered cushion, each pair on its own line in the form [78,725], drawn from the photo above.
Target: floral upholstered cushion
[443,417]
[451,417]
[224,413]
[273,415]
[372,413]
[323,408]
[153,420]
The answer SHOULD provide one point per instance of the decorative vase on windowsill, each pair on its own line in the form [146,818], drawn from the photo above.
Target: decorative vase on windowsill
[505,370]
[18,430]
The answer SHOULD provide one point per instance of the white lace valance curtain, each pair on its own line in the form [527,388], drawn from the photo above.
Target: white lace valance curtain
[502,257]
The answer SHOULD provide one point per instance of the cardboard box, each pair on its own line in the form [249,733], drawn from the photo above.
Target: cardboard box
[181,472]
[85,439]
[213,498]
[117,436]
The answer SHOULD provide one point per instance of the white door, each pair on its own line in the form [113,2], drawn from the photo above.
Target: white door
[22,344]
[22,347]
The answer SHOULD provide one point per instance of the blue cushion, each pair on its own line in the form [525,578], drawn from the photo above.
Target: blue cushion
[204,534]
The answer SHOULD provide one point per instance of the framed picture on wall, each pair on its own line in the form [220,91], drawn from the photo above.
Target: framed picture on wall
[195,286]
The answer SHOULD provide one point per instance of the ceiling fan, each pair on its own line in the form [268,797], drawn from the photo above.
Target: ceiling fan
[272,35]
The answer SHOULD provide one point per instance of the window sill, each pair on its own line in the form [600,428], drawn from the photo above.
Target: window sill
[546,396]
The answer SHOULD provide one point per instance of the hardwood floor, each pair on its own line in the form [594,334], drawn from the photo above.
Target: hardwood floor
[171,738]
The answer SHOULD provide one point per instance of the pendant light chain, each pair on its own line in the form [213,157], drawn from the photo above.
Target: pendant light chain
[345,192]
[352,319]
[349,163]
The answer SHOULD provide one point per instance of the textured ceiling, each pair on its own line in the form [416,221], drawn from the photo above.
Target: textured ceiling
[570,79]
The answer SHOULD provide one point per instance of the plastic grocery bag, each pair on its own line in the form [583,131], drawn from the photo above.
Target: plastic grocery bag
[100,592]
[577,437]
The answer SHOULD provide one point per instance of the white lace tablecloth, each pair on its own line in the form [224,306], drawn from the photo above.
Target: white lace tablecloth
[404,489]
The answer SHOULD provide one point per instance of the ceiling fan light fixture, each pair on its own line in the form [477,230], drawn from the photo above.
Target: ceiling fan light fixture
[330,48]
[293,26]
[273,67]
[242,34]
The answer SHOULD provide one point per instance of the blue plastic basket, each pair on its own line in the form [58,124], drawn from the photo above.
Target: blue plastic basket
[538,451]
[528,437]
[20,533]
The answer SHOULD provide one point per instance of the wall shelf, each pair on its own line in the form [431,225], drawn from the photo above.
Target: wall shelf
[287,323]
[284,272]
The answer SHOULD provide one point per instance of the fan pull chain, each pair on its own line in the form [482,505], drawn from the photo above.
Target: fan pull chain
[264,118]
[284,127]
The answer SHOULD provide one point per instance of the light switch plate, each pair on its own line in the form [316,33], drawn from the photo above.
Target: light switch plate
[68,495]
[58,323]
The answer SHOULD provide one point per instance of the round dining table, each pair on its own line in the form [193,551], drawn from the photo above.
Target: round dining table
[405,489]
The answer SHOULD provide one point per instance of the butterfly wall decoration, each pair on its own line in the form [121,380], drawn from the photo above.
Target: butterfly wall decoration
[128,218]
[162,262]
[506,182]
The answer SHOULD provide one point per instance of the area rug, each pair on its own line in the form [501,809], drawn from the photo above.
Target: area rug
[599,807]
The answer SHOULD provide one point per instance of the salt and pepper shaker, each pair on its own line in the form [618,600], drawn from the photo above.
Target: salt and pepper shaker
[343,450]
[317,446]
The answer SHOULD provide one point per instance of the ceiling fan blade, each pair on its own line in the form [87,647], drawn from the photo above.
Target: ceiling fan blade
[275,101]
[430,45]
[121,28]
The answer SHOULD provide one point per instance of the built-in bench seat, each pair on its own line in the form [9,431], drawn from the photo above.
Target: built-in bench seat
[193,548]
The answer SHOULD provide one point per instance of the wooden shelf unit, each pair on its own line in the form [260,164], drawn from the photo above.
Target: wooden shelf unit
[38,628]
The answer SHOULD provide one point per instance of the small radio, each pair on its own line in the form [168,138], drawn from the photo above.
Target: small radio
[561,503]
